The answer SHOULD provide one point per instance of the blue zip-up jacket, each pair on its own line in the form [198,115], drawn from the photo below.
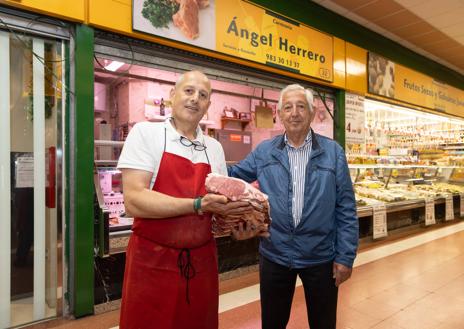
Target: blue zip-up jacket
[328,230]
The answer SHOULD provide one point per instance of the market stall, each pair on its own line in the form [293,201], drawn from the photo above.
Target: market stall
[406,167]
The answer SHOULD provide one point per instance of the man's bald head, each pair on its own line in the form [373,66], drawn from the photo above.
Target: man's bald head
[200,76]
[190,98]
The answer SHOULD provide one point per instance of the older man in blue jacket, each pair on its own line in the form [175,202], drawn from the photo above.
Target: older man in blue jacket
[314,229]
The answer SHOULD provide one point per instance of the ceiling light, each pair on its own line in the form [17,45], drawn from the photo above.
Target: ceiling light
[113,66]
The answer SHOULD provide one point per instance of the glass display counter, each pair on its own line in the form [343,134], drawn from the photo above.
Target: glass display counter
[112,225]
[405,191]
[407,164]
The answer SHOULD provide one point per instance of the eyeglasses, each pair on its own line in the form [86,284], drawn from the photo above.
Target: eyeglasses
[197,146]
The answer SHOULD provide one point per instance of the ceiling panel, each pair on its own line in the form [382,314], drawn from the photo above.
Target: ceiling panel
[450,18]
[427,38]
[420,27]
[409,3]
[457,55]
[446,53]
[442,44]
[432,28]
[431,8]
[375,10]
[460,39]
[331,5]
[456,30]
[353,4]
[400,19]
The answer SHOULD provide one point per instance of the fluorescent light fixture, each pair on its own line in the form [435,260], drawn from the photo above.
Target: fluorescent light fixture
[405,114]
[113,66]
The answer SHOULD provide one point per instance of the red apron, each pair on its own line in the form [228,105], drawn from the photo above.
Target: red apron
[171,276]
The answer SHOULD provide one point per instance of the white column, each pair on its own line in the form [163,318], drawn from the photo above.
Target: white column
[39,178]
[61,154]
[5,181]
[51,261]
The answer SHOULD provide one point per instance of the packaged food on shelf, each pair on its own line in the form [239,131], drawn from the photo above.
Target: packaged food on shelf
[380,194]
[447,188]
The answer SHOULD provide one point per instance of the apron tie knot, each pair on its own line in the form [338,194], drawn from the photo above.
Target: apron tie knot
[186,268]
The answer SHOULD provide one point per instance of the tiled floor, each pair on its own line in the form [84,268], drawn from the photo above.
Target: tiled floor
[420,286]
[22,311]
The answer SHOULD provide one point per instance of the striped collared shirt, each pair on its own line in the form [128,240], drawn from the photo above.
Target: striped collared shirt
[298,158]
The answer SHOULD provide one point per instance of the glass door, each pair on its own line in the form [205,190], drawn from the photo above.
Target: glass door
[31,108]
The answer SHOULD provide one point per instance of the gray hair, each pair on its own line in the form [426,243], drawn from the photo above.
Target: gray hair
[308,94]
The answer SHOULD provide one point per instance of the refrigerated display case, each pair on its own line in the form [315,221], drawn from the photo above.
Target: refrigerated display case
[412,160]
[112,225]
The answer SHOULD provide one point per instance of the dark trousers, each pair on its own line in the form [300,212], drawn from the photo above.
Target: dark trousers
[277,286]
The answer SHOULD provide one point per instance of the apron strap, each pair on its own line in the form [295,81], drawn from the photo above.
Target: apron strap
[164,139]
[207,158]
[186,269]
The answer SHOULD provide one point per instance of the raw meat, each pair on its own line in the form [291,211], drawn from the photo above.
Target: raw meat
[186,19]
[237,190]
[202,4]
[114,221]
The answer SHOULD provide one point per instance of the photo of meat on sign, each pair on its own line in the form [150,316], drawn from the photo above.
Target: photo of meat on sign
[188,21]
[381,75]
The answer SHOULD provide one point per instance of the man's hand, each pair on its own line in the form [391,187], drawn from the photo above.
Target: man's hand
[341,273]
[218,204]
[250,229]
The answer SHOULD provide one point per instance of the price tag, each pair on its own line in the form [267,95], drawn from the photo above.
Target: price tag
[429,211]
[461,204]
[379,221]
[449,210]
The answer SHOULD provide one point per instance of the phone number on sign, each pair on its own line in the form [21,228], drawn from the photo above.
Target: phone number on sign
[282,61]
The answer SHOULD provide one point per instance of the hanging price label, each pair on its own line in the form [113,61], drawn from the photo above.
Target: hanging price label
[449,210]
[379,221]
[461,204]
[429,211]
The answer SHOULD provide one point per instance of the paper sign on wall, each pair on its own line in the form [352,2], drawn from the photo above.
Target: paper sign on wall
[264,117]
[235,138]
[24,171]
[354,119]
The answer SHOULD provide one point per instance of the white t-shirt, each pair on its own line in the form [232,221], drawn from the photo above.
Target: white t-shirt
[145,145]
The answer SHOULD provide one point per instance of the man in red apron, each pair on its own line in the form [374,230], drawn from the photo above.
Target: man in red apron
[171,275]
